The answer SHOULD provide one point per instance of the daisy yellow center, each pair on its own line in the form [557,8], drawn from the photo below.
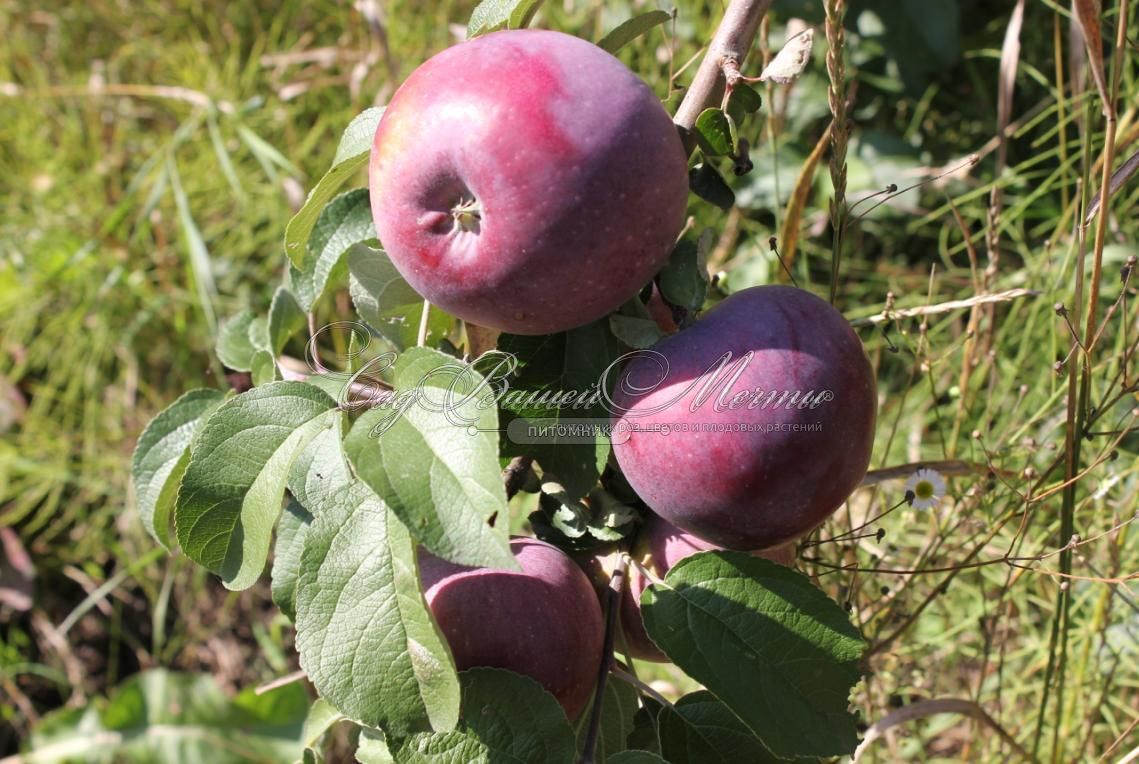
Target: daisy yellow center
[923,490]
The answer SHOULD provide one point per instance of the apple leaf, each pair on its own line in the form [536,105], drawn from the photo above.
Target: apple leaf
[635,331]
[636,757]
[388,303]
[161,456]
[364,634]
[318,474]
[292,529]
[434,461]
[699,728]
[554,365]
[743,101]
[286,318]
[351,154]
[766,642]
[454,747]
[263,369]
[490,15]
[159,715]
[240,338]
[320,470]
[619,707]
[684,280]
[644,735]
[515,718]
[322,716]
[707,183]
[714,133]
[344,221]
[372,748]
[629,30]
[231,493]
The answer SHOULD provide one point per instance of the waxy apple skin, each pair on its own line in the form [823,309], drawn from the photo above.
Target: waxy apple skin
[574,175]
[544,622]
[742,477]
[659,547]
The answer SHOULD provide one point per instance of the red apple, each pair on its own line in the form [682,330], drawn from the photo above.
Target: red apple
[527,181]
[659,547]
[751,426]
[544,622]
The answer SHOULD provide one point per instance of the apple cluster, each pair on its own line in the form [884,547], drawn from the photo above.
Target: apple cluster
[527,181]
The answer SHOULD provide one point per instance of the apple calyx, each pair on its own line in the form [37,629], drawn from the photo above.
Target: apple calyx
[467,215]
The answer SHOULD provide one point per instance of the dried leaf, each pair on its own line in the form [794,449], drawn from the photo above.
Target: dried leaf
[792,217]
[1118,178]
[1010,58]
[791,60]
[1077,68]
[1088,13]
[16,572]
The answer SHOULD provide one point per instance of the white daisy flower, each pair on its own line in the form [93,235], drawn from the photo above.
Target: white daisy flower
[925,488]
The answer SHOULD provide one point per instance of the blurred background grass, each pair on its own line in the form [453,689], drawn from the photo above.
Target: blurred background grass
[152,151]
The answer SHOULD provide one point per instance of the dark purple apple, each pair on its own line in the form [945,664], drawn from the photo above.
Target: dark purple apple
[527,181]
[751,426]
[659,547]
[544,622]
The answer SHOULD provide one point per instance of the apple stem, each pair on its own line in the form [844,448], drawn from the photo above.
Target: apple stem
[644,687]
[421,340]
[730,45]
[612,608]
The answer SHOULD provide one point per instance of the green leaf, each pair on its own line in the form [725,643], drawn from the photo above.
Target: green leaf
[707,183]
[631,29]
[515,718]
[231,493]
[765,641]
[239,340]
[322,716]
[372,748]
[320,471]
[554,365]
[684,280]
[636,757]
[161,456]
[358,136]
[714,133]
[743,101]
[700,728]
[490,15]
[453,747]
[344,221]
[161,716]
[618,709]
[386,302]
[351,154]
[644,735]
[634,331]
[316,478]
[364,634]
[432,456]
[285,319]
[292,530]
[263,368]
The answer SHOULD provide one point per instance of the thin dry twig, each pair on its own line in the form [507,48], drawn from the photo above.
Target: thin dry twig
[944,307]
[937,706]
[97,90]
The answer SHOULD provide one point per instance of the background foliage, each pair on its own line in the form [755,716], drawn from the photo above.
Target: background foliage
[153,152]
